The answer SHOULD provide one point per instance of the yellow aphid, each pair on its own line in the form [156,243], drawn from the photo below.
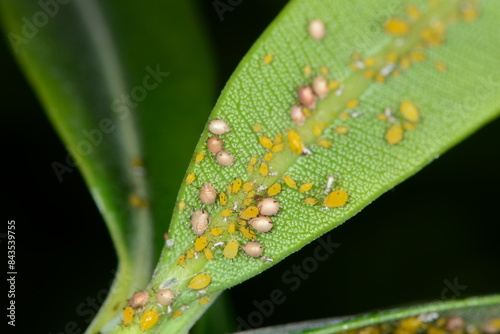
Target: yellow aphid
[440,66]
[200,281]
[190,178]
[250,212]
[335,199]
[413,12]
[318,129]
[229,189]
[352,104]
[242,223]
[247,233]
[200,243]
[278,139]
[257,128]
[289,181]
[149,319]
[469,13]
[216,231]
[333,85]
[379,78]
[266,142]
[344,115]
[237,185]
[226,212]
[200,157]
[410,324]
[248,186]
[295,142]
[223,199]
[433,37]
[305,187]
[397,27]
[394,135]
[341,130]
[128,315]
[190,254]
[405,63]
[253,160]
[382,117]
[307,70]
[370,61]
[137,202]
[182,205]
[392,57]
[231,228]
[369,74]
[268,156]
[268,59]
[177,314]
[310,201]
[324,143]
[264,169]
[208,254]
[409,111]
[409,126]
[247,201]
[274,190]
[251,193]
[278,148]
[417,56]
[231,249]
[181,260]
[203,301]
[324,70]
[356,56]
[250,168]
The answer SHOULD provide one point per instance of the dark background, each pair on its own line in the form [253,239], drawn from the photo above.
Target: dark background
[442,224]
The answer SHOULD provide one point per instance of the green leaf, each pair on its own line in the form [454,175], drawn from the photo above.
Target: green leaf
[360,140]
[477,313]
[111,93]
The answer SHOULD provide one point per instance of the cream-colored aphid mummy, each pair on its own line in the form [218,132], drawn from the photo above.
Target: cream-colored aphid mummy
[320,86]
[297,115]
[253,248]
[261,224]
[317,29]
[208,194]
[139,299]
[214,145]
[218,127]
[165,297]
[224,158]
[199,221]
[306,96]
[268,206]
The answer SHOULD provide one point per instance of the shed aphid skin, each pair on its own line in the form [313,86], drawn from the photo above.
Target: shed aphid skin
[214,145]
[253,249]
[409,111]
[200,281]
[306,96]
[394,134]
[320,86]
[295,142]
[297,115]
[149,319]
[336,199]
[317,29]
[199,157]
[261,224]
[218,127]
[268,206]
[139,299]
[231,249]
[224,158]
[200,243]
[190,178]
[128,315]
[329,184]
[165,297]
[289,181]
[200,221]
[250,212]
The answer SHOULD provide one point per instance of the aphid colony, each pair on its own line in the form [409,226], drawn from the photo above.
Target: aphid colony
[148,308]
